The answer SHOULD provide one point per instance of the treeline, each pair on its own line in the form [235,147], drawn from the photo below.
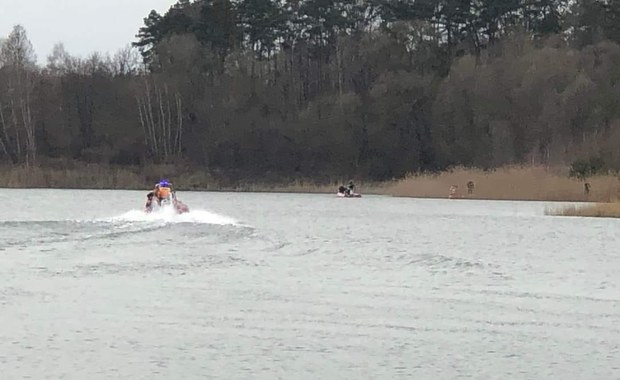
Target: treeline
[313,88]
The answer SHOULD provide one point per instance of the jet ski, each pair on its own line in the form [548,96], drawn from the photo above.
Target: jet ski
[180,207]
[349,195]
[167,203]
[163,197]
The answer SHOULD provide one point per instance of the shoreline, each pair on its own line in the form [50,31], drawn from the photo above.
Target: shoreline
[593,210]
[527,183]
[224,190]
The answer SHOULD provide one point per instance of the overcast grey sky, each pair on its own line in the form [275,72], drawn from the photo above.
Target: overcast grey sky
[83,26]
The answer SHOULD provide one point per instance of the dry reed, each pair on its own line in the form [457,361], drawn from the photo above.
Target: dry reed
[509,183]
[600,210]
[90,176]
[309,186]
[94,176]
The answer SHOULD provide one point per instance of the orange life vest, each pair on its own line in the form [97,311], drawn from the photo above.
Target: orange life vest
[164,192]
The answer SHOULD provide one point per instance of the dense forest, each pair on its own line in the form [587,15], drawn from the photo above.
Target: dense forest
[316,88]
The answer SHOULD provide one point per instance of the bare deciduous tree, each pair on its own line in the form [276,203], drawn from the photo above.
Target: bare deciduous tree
[161,122]
[19,63]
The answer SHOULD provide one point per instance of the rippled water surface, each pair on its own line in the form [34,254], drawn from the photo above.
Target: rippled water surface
[303,287]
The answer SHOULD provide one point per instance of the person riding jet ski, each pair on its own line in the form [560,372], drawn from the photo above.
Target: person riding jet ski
[163,191]
[149,202]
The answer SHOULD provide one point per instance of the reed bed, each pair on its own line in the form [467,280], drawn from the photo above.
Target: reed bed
[95,176]
[597,210]
[531,183]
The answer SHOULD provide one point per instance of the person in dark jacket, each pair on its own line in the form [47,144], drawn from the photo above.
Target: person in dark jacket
[149,202]
[350,188]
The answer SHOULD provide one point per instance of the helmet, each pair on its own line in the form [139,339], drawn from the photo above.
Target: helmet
[164,183]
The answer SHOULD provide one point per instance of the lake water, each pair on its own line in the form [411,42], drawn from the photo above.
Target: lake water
[295,286]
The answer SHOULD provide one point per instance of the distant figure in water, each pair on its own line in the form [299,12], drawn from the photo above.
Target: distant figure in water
[586,188]
[470,187]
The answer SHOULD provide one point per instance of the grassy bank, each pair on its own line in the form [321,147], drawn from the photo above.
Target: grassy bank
[91,176]
[511,183]
[95,176]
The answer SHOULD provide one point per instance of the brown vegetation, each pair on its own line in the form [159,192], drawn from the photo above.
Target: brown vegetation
[510,183]
[600,210]
[95,176]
